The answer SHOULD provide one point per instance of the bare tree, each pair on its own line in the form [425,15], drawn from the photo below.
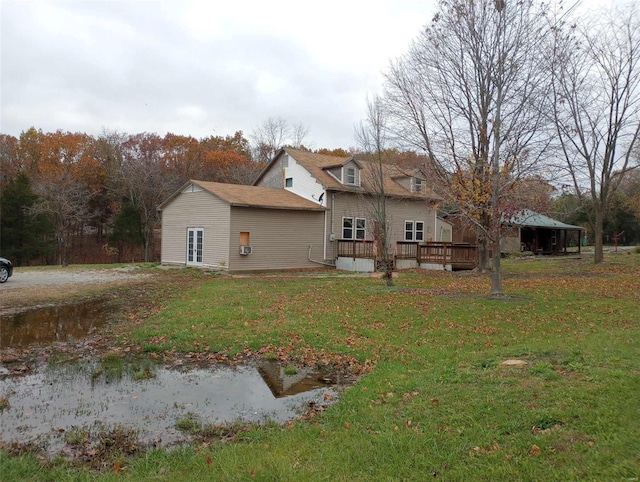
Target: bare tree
[467,94]
[273,134]
[299,133]
[146,182]
[68,203]
[596,109]
[372,139]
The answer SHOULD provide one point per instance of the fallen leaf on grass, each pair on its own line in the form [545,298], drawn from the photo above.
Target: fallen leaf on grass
[487,449]
[535,450]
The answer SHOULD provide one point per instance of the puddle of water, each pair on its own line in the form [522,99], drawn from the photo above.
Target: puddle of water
[284,384]
[50,324]
[149,399]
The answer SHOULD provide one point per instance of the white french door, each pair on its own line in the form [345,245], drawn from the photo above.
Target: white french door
[195,241]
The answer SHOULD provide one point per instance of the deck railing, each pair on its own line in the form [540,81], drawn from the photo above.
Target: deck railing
[459,256]
[356,248]
[406,250]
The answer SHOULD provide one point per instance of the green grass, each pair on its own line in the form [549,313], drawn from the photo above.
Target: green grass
[437,404]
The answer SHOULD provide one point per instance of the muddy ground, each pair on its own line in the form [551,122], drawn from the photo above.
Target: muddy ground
[137,293]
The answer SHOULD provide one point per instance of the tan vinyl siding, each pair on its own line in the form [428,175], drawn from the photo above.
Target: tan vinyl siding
[411,210]
[444,231]
[399,211]
[344,204]
[196,210]
[274,177]
[280,239]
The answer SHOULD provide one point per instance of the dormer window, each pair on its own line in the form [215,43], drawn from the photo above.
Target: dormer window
[351,176]
[417,184]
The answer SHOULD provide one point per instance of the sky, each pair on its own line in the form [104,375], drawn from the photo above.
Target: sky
[199,68]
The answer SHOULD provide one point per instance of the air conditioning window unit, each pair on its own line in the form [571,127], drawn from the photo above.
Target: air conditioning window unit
[245,250]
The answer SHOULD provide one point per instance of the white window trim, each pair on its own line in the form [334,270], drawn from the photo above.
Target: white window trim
[414,231]
[352,227]
[405,230]
[195,251]
[356,176]
[363,228]
[355,228]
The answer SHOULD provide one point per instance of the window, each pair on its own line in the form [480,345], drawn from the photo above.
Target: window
[354,228]
[408,230]
[288,182]
[244,238]
[361,225]
[414,230]
[417,184]
[351,176]
[347,228]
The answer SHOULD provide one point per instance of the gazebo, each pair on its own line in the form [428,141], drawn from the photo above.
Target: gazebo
[531,231]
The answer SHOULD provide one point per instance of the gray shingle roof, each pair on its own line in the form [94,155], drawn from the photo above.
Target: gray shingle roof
[528,218]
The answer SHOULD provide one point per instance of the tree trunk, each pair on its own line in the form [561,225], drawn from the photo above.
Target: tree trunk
[483,254]
[146,249]
[598,229]
[388,272]
[496,273]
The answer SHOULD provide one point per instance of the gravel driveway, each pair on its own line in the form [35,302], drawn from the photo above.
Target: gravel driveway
[29,288]
[31,278]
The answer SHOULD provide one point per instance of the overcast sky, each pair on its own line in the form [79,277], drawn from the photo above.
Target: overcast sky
[199,67]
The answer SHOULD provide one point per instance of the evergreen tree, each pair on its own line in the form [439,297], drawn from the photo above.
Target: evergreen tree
[24,234]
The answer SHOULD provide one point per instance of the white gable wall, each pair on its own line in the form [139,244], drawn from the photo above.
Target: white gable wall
[304,184]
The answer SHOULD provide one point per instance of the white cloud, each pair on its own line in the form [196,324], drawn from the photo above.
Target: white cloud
[198,68]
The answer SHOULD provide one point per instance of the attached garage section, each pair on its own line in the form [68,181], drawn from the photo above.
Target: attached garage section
[196,209]
[279,239]
[240,228]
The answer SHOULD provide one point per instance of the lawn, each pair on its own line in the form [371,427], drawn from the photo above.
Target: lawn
[436,402]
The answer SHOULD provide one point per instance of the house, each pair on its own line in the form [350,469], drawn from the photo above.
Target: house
[239,228]
[304,210]
[347,188]
[527,230]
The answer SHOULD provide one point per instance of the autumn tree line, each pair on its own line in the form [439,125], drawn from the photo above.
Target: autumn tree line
[58,187]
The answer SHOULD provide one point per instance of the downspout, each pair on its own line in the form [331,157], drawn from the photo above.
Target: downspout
[324,239]
[333,206]
[318,262]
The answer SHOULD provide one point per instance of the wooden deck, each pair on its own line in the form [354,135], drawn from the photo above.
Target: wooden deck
[458,256]
[356,248]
